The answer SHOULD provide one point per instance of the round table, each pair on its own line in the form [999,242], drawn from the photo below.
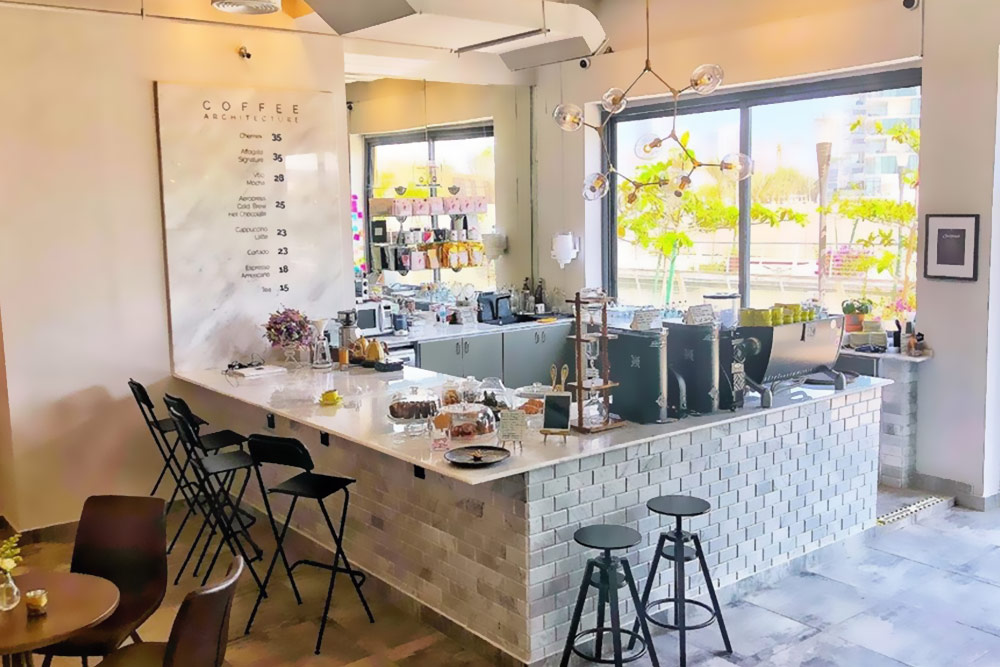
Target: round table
[76,602]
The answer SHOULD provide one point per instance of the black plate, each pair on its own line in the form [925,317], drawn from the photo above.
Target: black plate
[476,456]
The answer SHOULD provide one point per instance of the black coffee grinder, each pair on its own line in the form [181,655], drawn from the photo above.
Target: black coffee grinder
[693,361]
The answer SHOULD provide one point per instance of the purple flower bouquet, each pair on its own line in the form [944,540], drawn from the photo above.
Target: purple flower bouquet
[288,327]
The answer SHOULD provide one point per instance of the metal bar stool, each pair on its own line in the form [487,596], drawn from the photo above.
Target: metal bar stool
[607,574]
[159,430]
[211,473]
[211,444]
[291,453]
[680,507]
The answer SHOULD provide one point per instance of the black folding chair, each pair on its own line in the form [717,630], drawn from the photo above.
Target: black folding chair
[291,453]
[215,475]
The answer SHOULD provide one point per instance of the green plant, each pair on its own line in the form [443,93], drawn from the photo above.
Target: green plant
[10,553]
[656,220]
[860,306]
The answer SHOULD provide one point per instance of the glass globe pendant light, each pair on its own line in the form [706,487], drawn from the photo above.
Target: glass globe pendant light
[614,100]
[736,166]
[706,78]
[595,186]
[568,116]
[648,147]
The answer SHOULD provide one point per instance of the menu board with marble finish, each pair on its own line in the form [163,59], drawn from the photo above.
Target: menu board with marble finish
[250,203]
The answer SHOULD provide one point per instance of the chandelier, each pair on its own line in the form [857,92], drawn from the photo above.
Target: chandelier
[704,80]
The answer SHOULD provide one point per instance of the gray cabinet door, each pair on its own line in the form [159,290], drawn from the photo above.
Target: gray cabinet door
[520,365]
[441,356]
[483,355]
[528,355]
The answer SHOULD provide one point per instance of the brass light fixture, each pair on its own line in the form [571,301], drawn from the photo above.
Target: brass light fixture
[248,6]
[704,80]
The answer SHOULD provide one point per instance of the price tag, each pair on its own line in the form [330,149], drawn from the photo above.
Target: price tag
[513,426]
[701,314]
[644,320]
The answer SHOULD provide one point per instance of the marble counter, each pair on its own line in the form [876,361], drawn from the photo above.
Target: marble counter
[492,550]
[362,419]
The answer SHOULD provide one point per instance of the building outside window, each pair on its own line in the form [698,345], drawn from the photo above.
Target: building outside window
[829,213]
[463,158]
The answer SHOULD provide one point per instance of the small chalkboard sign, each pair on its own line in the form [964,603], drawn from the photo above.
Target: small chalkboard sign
[555,416]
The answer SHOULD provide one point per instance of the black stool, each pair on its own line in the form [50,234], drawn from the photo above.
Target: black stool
[291,453]
[215,475]
[603,573]
[678,552]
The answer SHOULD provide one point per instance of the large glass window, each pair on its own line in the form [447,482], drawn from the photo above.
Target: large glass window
[829,213]
[461,158]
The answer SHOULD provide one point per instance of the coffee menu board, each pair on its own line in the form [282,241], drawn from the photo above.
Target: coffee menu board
[250,182]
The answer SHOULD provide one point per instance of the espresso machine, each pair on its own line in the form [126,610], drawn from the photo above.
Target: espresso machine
[693,363]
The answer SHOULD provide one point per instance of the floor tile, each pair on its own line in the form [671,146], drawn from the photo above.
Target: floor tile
[825,650]
[879,574]
[917,637]
[828,601]
[931,546]
[755,632]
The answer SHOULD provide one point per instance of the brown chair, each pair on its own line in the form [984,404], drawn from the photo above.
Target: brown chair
[122,539]
[199,635]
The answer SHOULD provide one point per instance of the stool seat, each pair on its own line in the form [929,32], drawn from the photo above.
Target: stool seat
[678,505]
[607,537]
[312,485]
[227,462]
[221,439]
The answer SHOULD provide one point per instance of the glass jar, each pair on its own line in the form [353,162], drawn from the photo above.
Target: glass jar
[495,395]
[10,596]
[451,393]
[530,400]
[470,422]
[413,409]
[471,389]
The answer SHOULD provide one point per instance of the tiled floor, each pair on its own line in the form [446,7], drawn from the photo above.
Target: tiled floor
[924,594]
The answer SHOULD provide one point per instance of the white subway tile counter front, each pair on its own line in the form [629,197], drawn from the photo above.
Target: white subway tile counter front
[492,549]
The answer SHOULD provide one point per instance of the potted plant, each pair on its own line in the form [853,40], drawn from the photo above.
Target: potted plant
[854,313]
[10,557]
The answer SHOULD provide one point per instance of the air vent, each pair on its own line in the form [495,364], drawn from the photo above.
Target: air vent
[248,6]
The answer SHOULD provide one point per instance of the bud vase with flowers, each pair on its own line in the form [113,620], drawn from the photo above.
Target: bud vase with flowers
[10,558]
[290,330]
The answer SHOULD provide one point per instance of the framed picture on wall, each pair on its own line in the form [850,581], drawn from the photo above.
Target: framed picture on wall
[951,249]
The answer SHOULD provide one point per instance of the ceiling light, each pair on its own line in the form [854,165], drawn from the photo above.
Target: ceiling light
[248,6]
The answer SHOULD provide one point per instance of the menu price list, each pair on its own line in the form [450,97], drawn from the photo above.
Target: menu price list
[250,182]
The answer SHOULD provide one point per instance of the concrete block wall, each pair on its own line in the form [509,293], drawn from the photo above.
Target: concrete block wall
[781,485]
[898,435]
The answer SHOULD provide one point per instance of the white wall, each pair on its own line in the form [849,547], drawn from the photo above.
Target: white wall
[81,268]
[396,105]
[959,391]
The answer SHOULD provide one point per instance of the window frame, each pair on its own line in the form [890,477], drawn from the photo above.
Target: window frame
[476,130]
[744,101]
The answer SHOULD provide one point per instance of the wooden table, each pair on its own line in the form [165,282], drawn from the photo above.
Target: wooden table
[76,602]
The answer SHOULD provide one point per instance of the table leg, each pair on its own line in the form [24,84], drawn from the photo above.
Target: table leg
[18,660]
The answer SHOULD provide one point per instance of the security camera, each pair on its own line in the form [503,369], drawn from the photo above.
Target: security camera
[245,53]
[584,63]
[350,106]
[911,4]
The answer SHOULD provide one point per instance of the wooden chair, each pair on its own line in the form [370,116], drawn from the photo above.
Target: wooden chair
[122,539]
[199,635]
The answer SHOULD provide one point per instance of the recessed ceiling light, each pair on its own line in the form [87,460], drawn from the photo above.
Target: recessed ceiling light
[248,6]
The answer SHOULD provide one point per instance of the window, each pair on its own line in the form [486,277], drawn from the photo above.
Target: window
[829,213]
[463,158]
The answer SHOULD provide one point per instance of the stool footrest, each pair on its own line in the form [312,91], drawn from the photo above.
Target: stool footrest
[633,637]
[360,577]
[673,626]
